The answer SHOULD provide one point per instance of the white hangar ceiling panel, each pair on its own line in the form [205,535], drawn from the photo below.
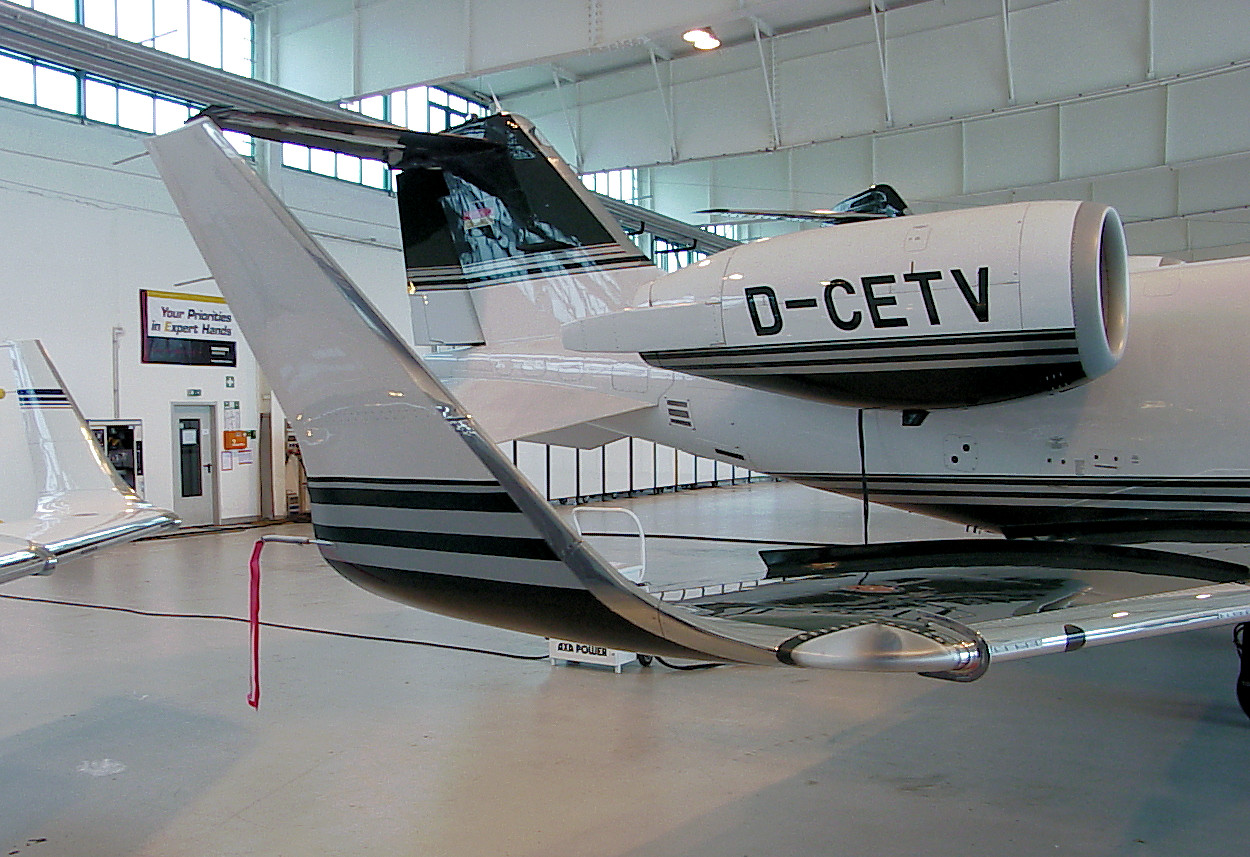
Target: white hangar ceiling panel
[607,143]
[724,115]
[1141,195]
[1208,116]
[1190,35]
[751,181]
[1061,49]
[682,188]
[626,19]
[826,173]
[1116,133]
[317,59]
[393,31]
[1214,186]
[505,34]
[830,95]
[922,164]
[1011,150]
[947,72]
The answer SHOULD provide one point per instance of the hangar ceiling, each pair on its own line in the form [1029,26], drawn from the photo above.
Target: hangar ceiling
[956,102]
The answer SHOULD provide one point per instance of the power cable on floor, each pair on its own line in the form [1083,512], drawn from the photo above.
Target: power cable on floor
[686,667]
[302,628]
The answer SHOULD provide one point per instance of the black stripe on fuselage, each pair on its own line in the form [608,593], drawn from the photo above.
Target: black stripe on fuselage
[1181,508]
[414,498]
[1090,488]
[42,398]
[974,359]
[473,545]
[860,345]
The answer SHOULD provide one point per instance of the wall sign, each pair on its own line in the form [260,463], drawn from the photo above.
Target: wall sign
[190,330]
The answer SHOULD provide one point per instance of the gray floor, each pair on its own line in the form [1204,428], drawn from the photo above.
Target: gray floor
[129,735]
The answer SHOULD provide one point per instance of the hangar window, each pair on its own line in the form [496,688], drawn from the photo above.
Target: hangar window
[32,81]
[198,30]
[428,108]
[732,231]
[66,10]
[618,184]
[669,256]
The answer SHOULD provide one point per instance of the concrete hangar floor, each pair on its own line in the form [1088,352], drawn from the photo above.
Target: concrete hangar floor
[129,735]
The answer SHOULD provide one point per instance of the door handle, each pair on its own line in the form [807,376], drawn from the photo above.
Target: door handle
[208,467]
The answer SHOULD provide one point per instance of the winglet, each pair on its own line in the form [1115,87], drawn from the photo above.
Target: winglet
[59,497]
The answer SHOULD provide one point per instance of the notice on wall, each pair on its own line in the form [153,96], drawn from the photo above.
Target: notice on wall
[191,330]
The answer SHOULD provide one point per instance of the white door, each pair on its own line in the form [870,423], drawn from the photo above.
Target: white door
[195,482]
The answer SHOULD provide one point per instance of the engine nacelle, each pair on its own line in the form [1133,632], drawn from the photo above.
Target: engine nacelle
[926,311]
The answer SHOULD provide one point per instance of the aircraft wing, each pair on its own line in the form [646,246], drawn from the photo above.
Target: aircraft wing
[412,500]
[1018,599]
[59,496]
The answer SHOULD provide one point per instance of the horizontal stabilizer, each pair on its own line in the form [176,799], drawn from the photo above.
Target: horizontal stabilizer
[59,496]
[364,138]
[813,216]
[878,201]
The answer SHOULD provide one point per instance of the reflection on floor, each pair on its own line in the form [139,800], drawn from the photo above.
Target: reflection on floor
[129,735]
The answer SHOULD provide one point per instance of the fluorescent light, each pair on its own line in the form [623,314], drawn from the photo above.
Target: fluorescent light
[702,38]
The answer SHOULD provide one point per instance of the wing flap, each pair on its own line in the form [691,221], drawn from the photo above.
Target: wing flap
[1073,628]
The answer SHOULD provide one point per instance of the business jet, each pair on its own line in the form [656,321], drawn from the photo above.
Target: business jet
[59,496]
[976,365]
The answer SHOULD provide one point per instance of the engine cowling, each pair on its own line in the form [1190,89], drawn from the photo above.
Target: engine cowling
[926,311]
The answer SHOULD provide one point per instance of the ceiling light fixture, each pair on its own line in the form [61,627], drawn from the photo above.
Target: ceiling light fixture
[702,38]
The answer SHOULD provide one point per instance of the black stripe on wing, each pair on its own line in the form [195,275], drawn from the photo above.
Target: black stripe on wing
[42,398]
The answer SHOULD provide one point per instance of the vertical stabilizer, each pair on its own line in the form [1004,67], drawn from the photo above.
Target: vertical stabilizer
[511,214]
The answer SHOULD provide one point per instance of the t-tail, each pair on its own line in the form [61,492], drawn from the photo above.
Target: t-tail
[502,242]
[413,500]
[511,216]
[502,245]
